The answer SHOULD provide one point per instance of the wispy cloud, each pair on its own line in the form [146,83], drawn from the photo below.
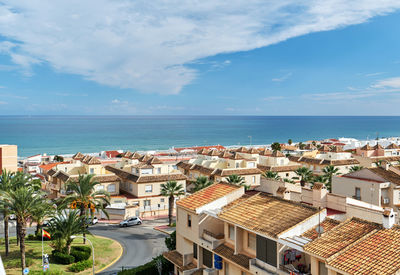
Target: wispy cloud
[3,103]
[374,74]
[147,46]
[273,98]
[393,82]
[282,78]
[69,94]
[8,95]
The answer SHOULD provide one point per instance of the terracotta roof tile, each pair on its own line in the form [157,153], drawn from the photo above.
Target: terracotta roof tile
[284,168]
[376,254]
[328,224]
[340,237]
[91,160]
[386,174]
[51,172]
[239,171]
[267,215]
[78,156]
[228,253]
[277,154]
[392,146]
[207,195]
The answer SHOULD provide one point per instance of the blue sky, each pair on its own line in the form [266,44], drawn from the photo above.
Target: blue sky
[252,58]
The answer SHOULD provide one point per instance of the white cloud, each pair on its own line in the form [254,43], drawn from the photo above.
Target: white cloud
[393,82]
[146,46]
[3,102]
[282,78]
[273,98]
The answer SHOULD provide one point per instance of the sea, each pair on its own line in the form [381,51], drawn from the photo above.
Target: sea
[89,134]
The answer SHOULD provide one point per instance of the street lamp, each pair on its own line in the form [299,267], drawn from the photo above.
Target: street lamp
[74,237]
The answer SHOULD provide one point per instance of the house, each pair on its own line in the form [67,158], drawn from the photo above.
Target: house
[8,158]
[375,185]
[226,231]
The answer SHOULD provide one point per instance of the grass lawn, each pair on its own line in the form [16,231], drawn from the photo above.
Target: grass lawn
[106,250]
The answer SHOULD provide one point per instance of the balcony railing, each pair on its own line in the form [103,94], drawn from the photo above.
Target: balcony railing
[211,240]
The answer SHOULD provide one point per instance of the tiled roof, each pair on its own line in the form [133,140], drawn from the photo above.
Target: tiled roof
[281,190]
[213,152]
[266,152]
[78,156]
[378,146]
[337,149]
[145,178]
[239,171]
[318,161]
[366,147]
[112,153]
[176,258]
[62,176]
[392,146]
[145,158]
[135,155]
[284,168]
[225,154]
[228,253]
[393,158]
[154,160]
[277,154]
[340,237]
[202,169]
[267,215]
[99,178]
[375,254]
[143,165]
[91,160]
[184,165]
[207,195]
[49,166]
[203,151]
[327,225]
[252,151]
[51,172]
[386,174]
[241,150]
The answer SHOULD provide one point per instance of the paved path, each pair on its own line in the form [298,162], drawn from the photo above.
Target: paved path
[141,243]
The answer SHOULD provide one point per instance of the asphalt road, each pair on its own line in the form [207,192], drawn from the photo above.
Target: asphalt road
[141,243]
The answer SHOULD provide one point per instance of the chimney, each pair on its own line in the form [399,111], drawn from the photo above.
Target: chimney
[319,193]
[283,193]
[386,164]
[388,218]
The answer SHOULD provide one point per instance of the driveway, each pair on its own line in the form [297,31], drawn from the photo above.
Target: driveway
[141,243]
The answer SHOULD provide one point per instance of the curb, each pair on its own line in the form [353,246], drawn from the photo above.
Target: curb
[116,259]
[162,231]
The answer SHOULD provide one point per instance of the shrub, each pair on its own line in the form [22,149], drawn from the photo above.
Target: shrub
[170,241]
[61,258]
[31,237]
[79,255]
[150,268]
[49,272]
[16,263]
[86,249]
[80,266]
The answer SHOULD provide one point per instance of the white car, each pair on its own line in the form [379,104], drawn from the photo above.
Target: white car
[92,221]
[130,221]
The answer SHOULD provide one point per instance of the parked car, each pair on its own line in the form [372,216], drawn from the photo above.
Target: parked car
[92,221]
[12,217]
[130,221]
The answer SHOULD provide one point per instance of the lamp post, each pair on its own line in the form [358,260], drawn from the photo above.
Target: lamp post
[74,237]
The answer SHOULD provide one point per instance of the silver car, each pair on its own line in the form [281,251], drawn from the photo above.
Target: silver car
[130,221]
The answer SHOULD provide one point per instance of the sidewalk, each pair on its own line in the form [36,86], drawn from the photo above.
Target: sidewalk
[165,229]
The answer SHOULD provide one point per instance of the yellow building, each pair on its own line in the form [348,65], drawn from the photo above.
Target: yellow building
[8,158]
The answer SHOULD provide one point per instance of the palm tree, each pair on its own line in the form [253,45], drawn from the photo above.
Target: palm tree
[5,186]
[171,189]
[40,214]
[86,198]
[355,168]
[329,171]
[271,175]
[201,183]
[288,180]
[304,174]
[65,225]
[378,163]
[301,145]
[290,141]
[22,202]
[235,179]
[276,146]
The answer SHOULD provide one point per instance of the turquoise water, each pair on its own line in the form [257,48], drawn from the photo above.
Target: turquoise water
[69,134]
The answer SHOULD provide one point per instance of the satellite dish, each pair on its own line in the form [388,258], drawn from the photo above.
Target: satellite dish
[319,229]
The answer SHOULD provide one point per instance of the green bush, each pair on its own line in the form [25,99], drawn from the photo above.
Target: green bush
[79,255]
[86,249]
[80,266]
[16,263]
[170,241]
[31,237]
[61,258]
[150,268]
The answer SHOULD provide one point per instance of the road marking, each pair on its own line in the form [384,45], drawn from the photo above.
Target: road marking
[116,259]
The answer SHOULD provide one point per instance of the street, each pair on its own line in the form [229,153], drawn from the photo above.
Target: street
[141,243]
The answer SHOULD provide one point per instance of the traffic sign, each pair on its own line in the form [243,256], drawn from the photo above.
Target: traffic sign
[26,270]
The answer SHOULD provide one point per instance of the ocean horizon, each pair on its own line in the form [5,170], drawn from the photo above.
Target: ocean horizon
[54,134]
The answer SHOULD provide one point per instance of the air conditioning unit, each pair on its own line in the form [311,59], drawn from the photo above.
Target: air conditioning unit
[386,200]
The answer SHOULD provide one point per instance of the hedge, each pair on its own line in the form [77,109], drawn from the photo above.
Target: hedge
[150,268]
[61,258]
[80,266]
[86,249]
[79,255]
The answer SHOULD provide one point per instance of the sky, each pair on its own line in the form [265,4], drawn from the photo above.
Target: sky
[253,57]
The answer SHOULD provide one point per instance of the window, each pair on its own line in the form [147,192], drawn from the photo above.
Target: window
[237,165]
[195,250]
[358,193]
[65,169]
[99,187]
[251,241]
[111,188]
[253,179]
[226,268]
[147,203]
[243,273]
[162,200]
[287,174]
[130,187]
[148,188]
[189,220]
[251,165]
[147,171]
[231,229]
[266,250]
[91,171]
[158,170]
[207,258]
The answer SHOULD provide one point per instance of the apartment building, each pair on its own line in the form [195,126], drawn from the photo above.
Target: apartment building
[223,230]
[8,158]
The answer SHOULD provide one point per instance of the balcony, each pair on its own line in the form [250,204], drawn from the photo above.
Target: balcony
[258,267]
[211,240]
